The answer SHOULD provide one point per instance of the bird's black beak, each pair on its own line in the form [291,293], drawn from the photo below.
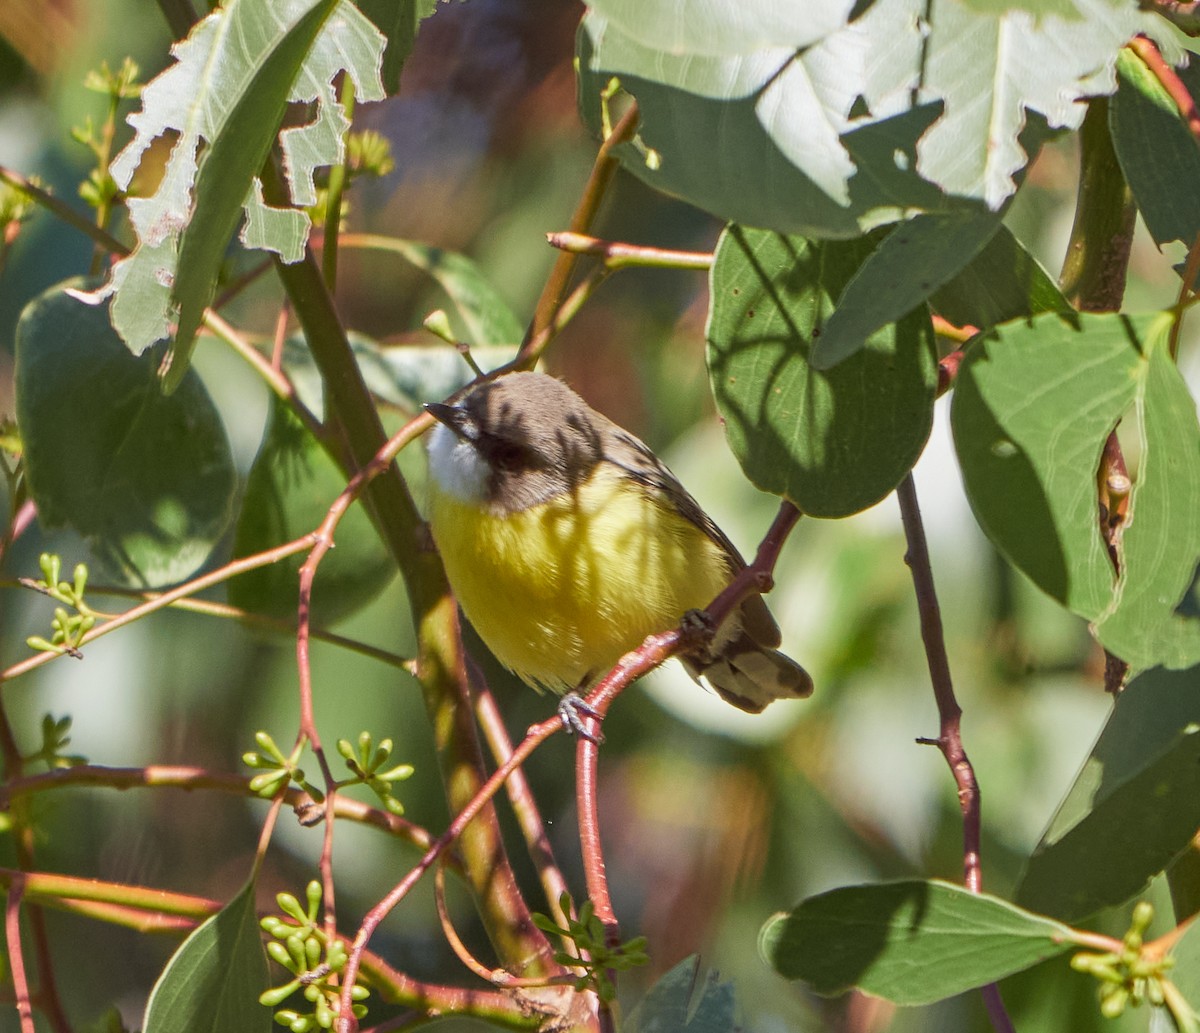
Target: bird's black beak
[452,416]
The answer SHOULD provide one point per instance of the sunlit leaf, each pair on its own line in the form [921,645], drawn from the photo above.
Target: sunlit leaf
[909,942]
[787,118]
[1033,405]
[836,441]
[225,98]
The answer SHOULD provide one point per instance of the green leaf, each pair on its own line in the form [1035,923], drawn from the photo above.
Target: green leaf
[212,983]
[1186,973]
[147,479]
[909,264]
[834,442]
[398,21]
[228,91]
[1033,405]
[782,116]
[676,1003]
[1002,282]
[486,315]
[1157,152]
[909,942]
[1135,803]
[292,484]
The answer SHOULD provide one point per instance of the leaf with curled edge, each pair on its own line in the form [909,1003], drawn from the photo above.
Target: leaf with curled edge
[225,98]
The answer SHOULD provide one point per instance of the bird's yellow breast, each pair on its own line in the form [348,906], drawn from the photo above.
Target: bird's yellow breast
[560,591]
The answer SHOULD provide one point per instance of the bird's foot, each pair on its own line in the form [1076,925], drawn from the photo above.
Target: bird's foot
[572,709]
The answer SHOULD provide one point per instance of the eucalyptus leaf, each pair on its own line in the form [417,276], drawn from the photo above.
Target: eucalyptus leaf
[908,942]
[225,98]
[292,484]
[1033,405]
[909,264]
[1136,802]
[1157,152]
[783,116]
[486,315]
[148,480]
[213,981]
[681,1002]
[836,441]
[1002,282]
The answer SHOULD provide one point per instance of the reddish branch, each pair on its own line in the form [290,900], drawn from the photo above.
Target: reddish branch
[949,739]
[617,254]
[652,652]
[1169,80]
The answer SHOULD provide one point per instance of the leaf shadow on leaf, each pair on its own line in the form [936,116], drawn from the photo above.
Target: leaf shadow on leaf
[835,441]
[717,154]
[1002,482]
[824,943]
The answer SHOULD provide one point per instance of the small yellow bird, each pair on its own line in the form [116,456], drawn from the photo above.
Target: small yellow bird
[567,542]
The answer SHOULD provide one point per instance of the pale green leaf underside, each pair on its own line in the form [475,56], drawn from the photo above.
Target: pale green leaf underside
[1033,405]
[909,942]
[804,129]
[227,92]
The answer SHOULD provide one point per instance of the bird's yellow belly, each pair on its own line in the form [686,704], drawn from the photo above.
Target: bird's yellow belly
[560,591]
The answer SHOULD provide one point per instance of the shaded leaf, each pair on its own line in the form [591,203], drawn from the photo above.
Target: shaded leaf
[1002,282]
[1033,405]
[682,1002]
[292,484]
[1157,152]
[909,264]
[833,442]
[148,480]
[1135,803]
[909,942]
[486,315]
[212,983]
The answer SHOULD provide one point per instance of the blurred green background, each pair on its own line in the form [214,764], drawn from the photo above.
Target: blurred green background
[712,820]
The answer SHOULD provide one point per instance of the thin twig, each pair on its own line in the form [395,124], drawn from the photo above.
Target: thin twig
[603,170]
[164,600]
[495,976]
[949,739]
[16,957]
[157,776]
[64,211]
[619,255]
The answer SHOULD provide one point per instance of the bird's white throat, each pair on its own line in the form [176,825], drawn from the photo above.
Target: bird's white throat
[456,465]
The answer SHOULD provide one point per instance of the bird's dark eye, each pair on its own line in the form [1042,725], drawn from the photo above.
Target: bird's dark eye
[507,455]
